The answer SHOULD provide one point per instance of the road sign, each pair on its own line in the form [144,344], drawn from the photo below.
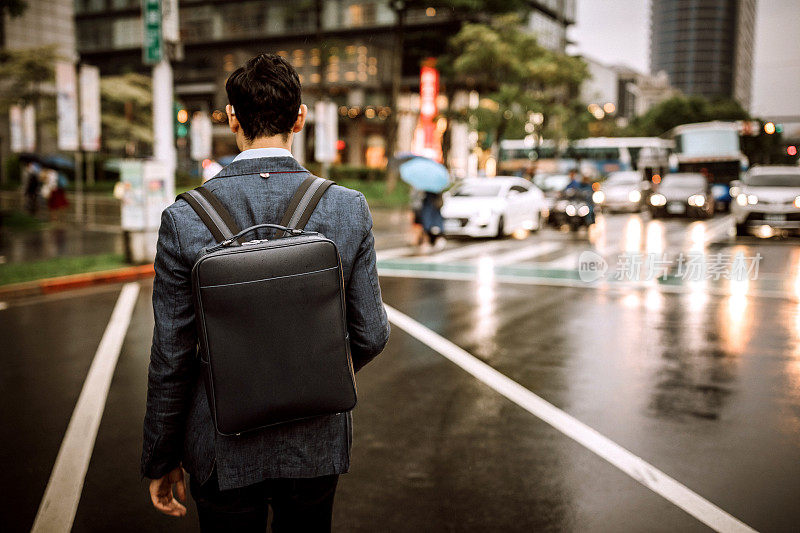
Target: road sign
[15,122]
[153,45]
[145,192]
[326,131]
[67,106]
[200,136]
[22,121]
[89,81]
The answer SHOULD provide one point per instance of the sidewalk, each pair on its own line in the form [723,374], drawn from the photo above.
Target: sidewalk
[56,241]
[390,226]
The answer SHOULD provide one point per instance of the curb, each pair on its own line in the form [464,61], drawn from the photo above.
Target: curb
[74,281]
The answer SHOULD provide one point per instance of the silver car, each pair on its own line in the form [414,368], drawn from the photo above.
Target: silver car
[623,191]
[683,194]
[767,199]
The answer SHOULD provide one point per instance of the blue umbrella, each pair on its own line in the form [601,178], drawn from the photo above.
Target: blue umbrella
[425,174]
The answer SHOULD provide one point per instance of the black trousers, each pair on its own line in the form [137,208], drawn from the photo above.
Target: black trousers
[297,505]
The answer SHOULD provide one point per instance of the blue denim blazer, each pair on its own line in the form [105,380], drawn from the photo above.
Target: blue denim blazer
[177,427]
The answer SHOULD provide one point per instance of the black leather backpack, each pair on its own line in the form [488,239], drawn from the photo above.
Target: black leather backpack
[271,318]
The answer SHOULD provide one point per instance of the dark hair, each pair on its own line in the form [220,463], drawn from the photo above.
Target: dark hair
[265,95]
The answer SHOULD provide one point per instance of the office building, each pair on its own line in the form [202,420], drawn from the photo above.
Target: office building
[705,46]
[348,58]
[623,92]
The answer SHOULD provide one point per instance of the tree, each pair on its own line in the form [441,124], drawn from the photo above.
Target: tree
[516,78]
[684,110]
[23,73]
[127,113]
[461,10]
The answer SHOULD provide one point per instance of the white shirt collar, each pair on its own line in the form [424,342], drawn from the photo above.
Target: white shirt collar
[256,153]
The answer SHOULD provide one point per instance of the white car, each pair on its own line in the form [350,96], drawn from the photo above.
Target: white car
[624,190]
[767,196]
[492,207]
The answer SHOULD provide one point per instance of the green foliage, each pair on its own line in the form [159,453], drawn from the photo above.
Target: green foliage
[683,110]
[470,6]
[377,193]
[356,173]
[18,221]
[127,115]
[22,74]
[515,77]
[13,169]
[59,266]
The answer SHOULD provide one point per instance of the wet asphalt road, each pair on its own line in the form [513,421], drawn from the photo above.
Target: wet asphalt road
[701,380]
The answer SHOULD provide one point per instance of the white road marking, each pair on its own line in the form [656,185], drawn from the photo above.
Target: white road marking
[712,231]
[391,272]
[463,252]
[60,502]
[393,253]
[567,262]
[634,466]
[528,252]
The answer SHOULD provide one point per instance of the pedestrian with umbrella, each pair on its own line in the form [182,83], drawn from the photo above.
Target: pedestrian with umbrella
[431,178]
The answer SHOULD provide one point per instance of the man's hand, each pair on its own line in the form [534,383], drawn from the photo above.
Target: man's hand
[161,493]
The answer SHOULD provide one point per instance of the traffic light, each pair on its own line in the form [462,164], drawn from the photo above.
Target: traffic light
[769,128]
[181,121]
[778,128]
[791,150]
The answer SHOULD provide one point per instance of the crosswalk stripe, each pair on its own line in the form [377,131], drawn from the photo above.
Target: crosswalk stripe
[510,252]
[529,252]
[463,252]
[566,262]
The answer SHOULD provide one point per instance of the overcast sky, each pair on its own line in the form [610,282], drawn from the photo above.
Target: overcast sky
[618,32]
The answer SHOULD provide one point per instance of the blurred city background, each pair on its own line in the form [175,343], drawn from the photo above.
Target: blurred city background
[658,302]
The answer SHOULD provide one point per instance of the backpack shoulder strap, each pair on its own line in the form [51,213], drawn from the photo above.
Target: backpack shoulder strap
[213,214]
[303,202]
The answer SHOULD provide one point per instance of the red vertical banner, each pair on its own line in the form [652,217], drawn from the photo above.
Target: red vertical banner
[428,92]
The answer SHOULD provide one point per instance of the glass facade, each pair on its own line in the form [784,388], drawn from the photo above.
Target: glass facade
[353,64]
[704,46]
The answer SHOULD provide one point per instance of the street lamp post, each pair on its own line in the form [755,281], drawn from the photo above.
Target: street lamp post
[399,7]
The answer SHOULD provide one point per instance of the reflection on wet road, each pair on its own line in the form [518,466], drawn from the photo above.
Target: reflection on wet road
[673,375]
[700,378]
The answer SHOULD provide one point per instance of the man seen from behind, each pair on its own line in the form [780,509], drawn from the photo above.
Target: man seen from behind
[292,468]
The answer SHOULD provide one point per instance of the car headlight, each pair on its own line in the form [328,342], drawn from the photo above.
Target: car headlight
[797,202]
[570,210]
[752,199]
[741,199]
[583,210]
[634,196]
[598,197]
[697,200]
[658,200]
[734,192]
